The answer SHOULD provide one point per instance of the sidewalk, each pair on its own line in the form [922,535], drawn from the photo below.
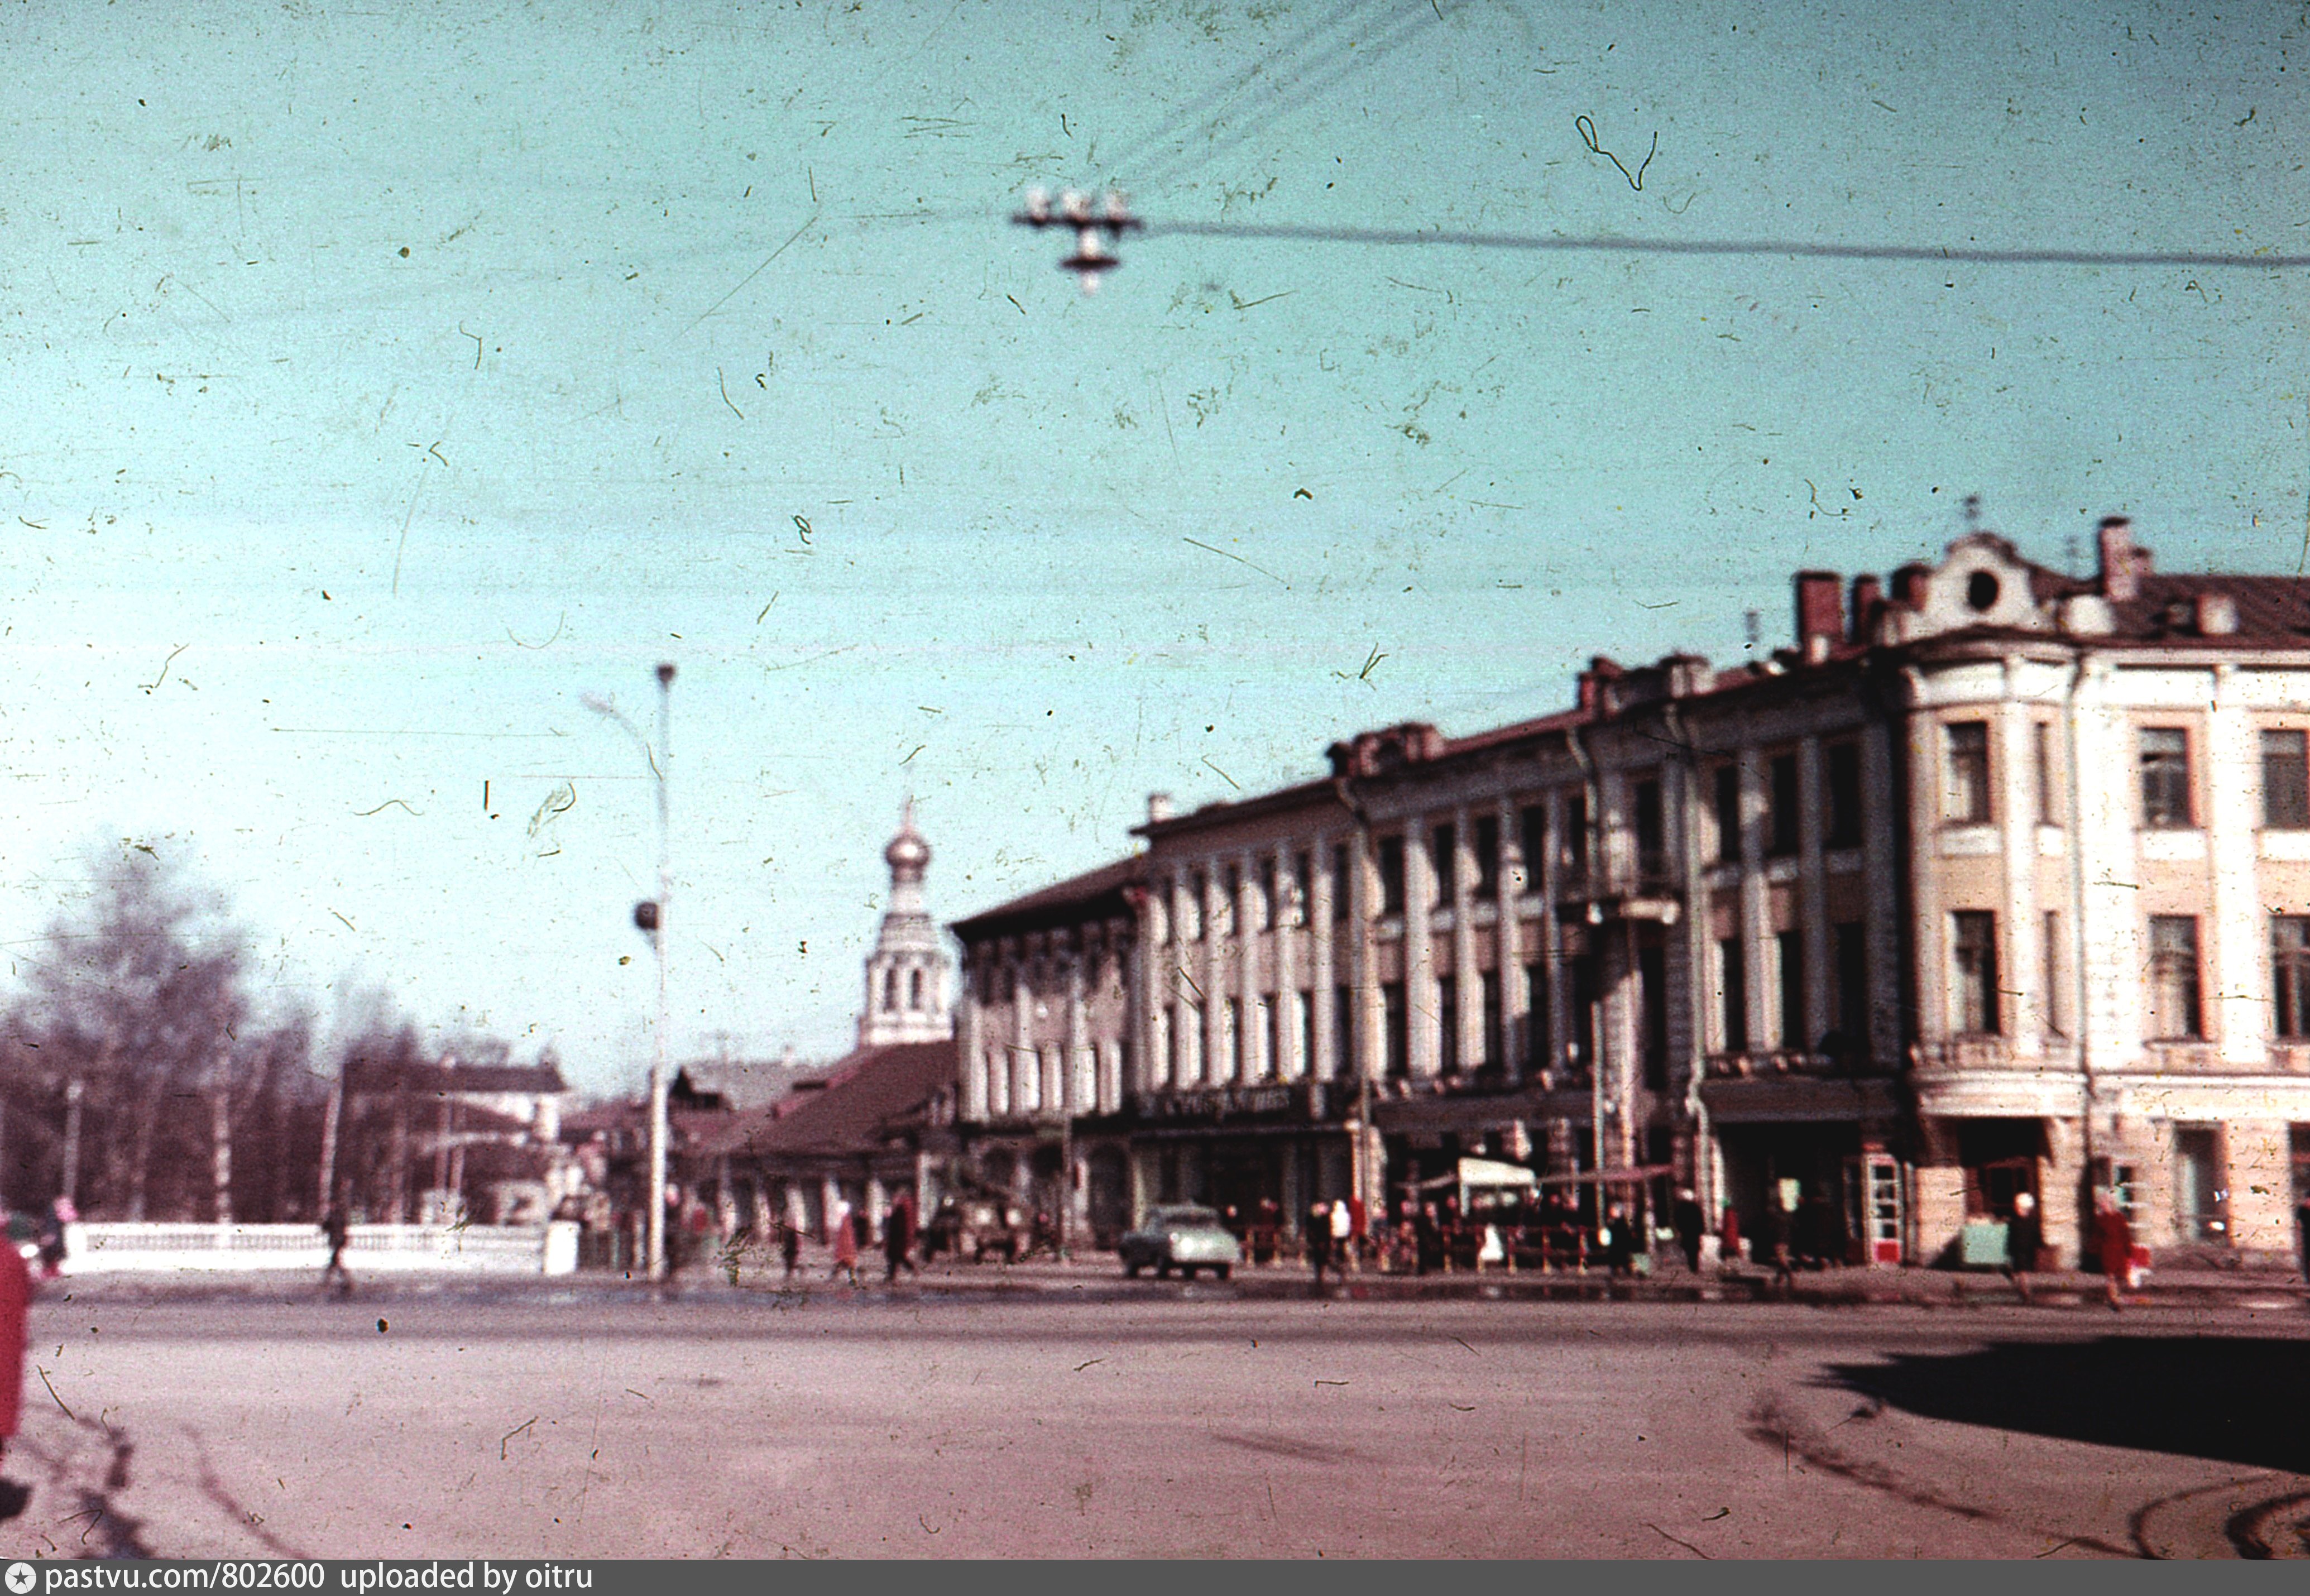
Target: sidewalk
[1098,1277]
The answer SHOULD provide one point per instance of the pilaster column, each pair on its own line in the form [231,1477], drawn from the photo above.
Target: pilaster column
[1812,897]
[1324,956]
[1466,979]
[1422,1025]
[2239,959]
[1515,1002]
[1283,913]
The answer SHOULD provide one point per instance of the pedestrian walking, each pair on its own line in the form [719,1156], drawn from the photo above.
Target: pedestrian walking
[846,1246]
[2024,1235]
[1687,1221]
[1347,1235]
[1319,1240]
[15,1302]
[2114,1246]
[1616,1240]
[898,1240]
[790,1245]
[334,1273]
[51,1238]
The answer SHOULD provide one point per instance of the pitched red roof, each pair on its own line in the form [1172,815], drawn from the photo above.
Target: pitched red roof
[868,1097]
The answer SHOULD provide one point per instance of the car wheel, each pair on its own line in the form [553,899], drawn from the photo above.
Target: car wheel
[1130,1270]
[1221,1271]
[1162,1268]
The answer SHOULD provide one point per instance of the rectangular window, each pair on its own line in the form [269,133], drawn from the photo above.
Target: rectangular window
[2041,761]
[1391,875]
[1447,1026]
[1535,1016]
[1531,832]
[1728,814]
[2175,1013]
[1849,946]
[1652,981]
[2289,957]
[1783,771]
[1844,784]
[1231,1039]
[1396,1028]
[1193,930]
[1495,1052]
[1487,856]
[1345,1064]
[1303,1010]
[1303,876]
[1263,913]
[2285,781]
[1342,894]
[1732,972]
[1586,992]
[1651,832]
[1574,855]
[1965,774]
[1443,850]
[2051,957]
[2166,779]
[1974,958]
[1789,947]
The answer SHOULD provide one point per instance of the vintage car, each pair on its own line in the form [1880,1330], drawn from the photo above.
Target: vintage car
[1180,1237]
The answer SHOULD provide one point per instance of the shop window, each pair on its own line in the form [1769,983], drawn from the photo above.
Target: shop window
[2289,957]
[2285,781]
[2175,1012]
[2166,779]
[1965,770]
[2200,1203]
[1974,958]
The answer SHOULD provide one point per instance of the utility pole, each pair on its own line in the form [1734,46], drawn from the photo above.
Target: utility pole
[650,919]
[1093,256]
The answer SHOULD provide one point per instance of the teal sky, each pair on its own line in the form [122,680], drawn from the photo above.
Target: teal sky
[379,382]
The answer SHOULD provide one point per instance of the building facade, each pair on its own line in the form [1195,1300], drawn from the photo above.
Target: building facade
[1997,880]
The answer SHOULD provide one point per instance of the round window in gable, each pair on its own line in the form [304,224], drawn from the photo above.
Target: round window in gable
[1981,590]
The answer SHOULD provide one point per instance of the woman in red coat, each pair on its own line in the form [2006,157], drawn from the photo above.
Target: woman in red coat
[15,1298]
[2113,1245]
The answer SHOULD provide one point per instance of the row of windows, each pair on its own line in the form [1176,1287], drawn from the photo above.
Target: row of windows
[1848,1012]
[2163,760]
[2175,994]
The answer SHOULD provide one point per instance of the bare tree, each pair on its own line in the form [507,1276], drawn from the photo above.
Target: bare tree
[135,996]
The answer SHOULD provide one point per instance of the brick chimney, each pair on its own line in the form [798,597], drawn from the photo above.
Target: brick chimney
[1867,598]
[2121,564]
[1820,617]
[1159,807]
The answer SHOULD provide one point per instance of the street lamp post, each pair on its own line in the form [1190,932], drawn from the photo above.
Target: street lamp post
[651,918]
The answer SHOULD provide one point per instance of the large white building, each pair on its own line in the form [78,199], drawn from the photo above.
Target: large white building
[1999,880]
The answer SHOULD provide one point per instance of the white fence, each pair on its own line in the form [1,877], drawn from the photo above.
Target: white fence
[369,1249]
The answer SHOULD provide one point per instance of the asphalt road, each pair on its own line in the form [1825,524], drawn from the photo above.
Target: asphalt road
[575,1424]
